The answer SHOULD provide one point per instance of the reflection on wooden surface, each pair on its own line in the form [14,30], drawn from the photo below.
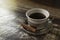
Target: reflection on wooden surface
[9,4]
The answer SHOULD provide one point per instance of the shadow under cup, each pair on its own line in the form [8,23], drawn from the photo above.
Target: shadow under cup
[37,17]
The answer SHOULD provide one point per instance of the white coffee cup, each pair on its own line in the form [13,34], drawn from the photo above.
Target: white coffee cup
[39,23]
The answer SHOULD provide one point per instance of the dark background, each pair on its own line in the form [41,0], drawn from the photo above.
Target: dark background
[53,3]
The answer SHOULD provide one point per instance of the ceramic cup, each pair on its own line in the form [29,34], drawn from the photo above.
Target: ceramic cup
[37,23]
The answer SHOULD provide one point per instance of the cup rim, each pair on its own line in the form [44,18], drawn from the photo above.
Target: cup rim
[39,10]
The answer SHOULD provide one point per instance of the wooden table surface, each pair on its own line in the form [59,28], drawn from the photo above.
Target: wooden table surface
[31,4]
[9,23]
[17,4]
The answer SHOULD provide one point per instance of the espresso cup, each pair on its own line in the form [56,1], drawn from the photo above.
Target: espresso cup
[37,17]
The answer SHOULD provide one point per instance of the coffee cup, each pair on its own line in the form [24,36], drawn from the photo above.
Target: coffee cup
[37,17]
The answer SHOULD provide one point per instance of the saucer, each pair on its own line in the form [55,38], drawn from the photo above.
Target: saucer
[47,28]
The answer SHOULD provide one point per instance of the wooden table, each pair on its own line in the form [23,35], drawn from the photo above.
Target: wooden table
[23,4]
[32,4]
